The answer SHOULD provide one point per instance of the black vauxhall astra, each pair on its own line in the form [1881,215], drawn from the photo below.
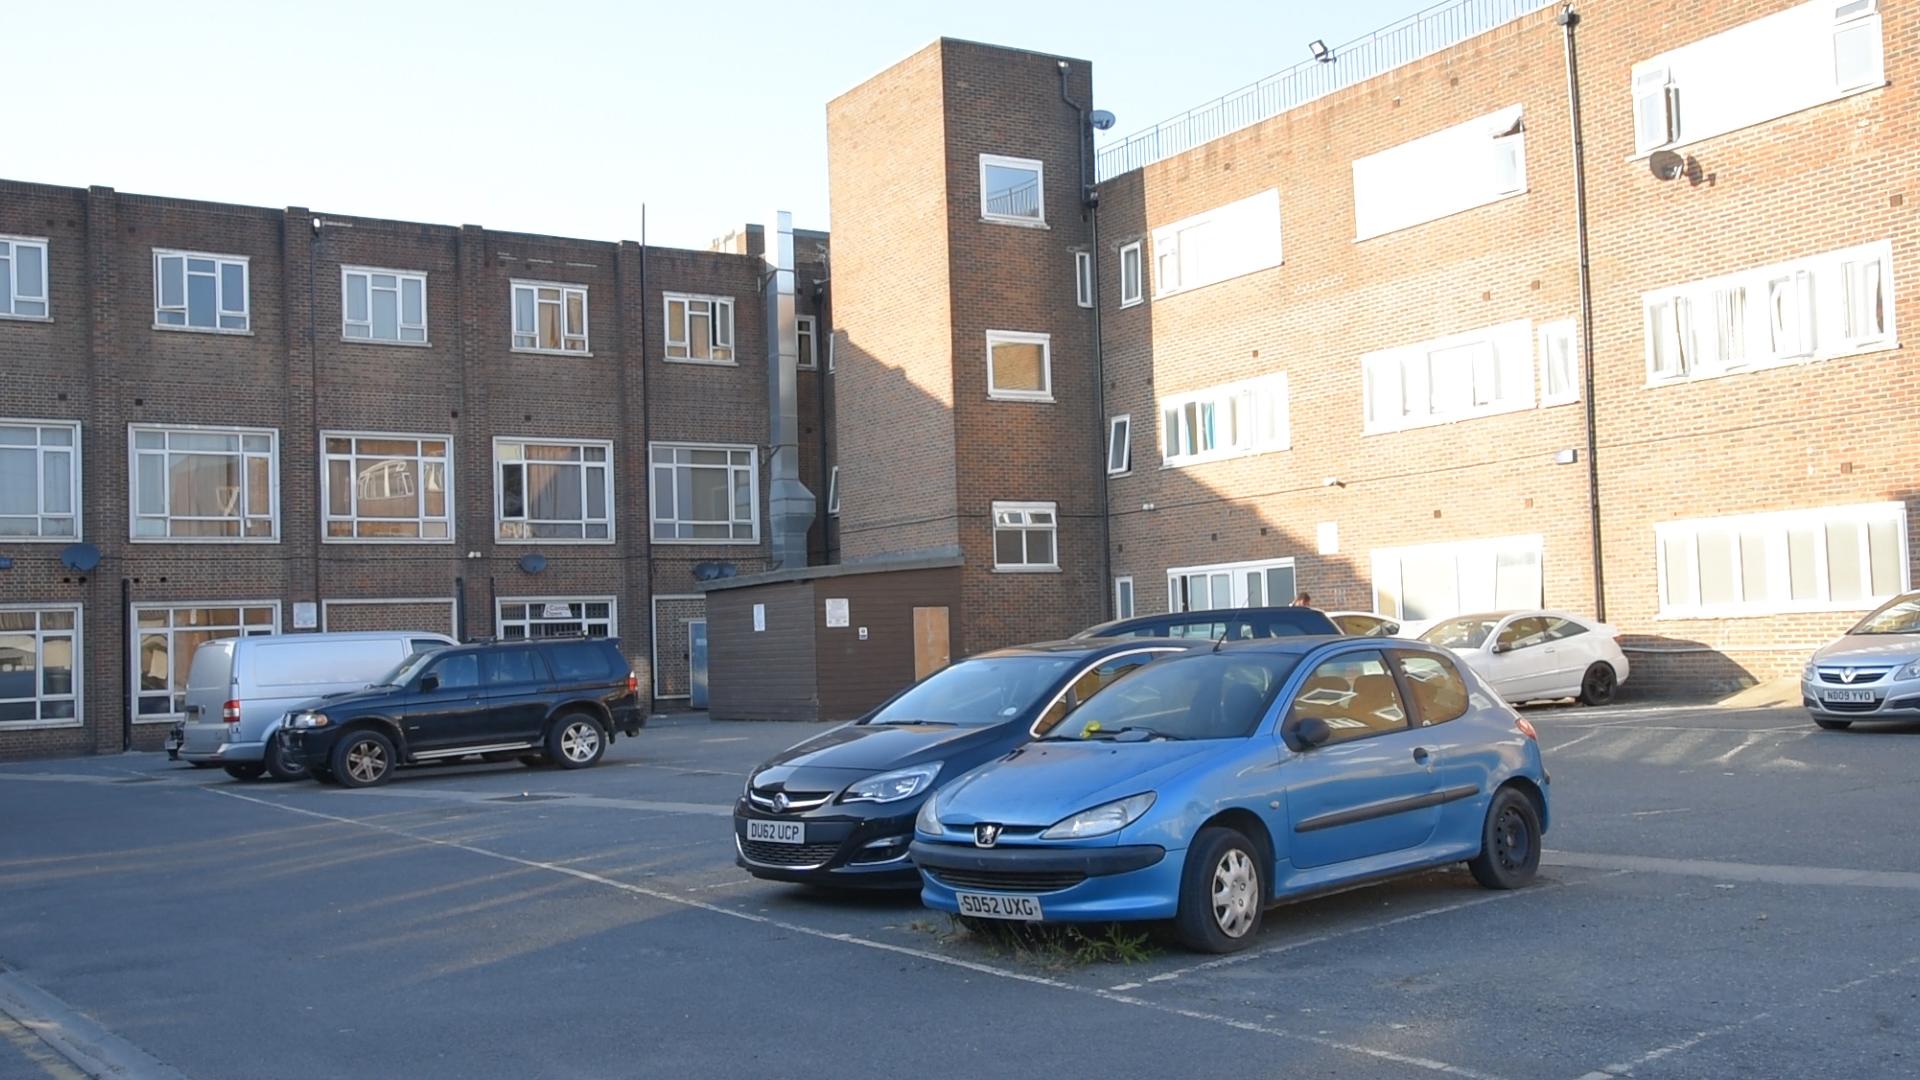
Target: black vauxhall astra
[838,808]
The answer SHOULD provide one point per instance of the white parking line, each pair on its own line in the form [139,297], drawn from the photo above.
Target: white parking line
[1374,1052]
[1733,871]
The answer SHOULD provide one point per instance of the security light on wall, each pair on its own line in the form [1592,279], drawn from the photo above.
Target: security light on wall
[1320,51]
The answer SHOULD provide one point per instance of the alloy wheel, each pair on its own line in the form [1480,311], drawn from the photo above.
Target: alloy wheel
[580,741]
[1234,884]
[366,761]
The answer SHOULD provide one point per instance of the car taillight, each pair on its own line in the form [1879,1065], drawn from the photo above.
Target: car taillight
[633,682]
[230,712]
[1526,728]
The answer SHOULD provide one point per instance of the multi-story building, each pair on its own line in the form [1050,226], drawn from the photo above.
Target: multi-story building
[220,420]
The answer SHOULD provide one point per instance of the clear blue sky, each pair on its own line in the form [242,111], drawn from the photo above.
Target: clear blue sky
[559,117]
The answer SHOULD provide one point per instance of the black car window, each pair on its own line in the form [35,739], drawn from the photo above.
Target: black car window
[1355,695]
[461,671]
[1439,693]
[579,663]
[977,692]
[1090,682]
[512,667]
[1202,695]
[1523,633]
[423,645]
[1207,631]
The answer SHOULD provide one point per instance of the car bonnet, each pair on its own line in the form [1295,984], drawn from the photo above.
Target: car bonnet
[878,747]
[1042,782]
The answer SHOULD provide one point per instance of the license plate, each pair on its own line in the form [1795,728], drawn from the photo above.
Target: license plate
[777,832]
[1847,695]
[996,906]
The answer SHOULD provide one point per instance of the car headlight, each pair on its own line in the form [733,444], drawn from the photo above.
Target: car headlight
[1807,673]
[1911,671]
[928,820]
[1101,820]
[308,720]
[892,786]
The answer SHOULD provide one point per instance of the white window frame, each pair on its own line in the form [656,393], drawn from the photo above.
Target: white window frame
[833,336]
[806,336]
[751,470]
[1025,510]
[1525,544]
[1441,174]
[1559,339]
[1083,278]
[74,479]
[1039,170]
[10,301]
[1653,88]
[1775,526]
[1227,229]
[1139,293]
[136,632]
[271,454]
[500,520]
[572,342]
[78,691]
[1858,17]
[328,512]
[1120,436]
[1495,351]
[833,491]
[529,620]
[1236,573]
[401,326]
[1021,337]
[719,317]
[220,311]
[1124,610]
[1795,312]
[1232,408]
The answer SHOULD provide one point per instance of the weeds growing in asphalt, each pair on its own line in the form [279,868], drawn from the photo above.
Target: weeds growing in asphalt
[1049,945]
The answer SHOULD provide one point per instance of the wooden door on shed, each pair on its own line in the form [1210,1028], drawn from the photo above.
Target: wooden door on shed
[930,652]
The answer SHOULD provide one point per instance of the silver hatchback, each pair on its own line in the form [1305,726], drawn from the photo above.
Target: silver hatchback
[1871,673]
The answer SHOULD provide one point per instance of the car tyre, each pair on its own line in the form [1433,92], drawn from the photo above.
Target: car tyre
[575,741]
[279,765]
[1509,842]
[362,758]
[245,770]
[1222,893]
[1831,724]
[1597,686]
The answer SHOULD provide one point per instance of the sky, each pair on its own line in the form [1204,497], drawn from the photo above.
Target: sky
[562,118]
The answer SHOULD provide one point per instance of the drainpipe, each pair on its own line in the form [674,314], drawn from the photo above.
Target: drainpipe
[1568,20]
[126,664]
[824,385]
[790,506]
[1090,209]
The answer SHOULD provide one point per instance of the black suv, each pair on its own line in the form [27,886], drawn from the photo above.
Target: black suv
[545,699]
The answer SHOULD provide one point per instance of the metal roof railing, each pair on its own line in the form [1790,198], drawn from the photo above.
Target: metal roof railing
[1420,34]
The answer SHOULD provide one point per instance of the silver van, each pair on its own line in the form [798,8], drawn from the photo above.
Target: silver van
[238,689]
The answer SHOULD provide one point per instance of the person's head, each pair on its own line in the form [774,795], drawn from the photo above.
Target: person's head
[1303,600]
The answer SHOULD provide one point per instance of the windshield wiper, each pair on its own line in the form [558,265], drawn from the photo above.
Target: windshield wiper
[1125,734]
[922,723]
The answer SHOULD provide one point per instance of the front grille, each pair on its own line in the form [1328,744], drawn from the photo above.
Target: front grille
[797,801]
[786,854]
[1008,880]
[1849,706]
[1838,675]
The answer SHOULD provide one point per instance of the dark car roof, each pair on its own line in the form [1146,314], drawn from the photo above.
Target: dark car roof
[1300,644]
[566,639]
[1089,646]
[1297,616]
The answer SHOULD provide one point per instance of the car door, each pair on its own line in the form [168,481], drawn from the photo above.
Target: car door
[519,692]
[1463,758]
[1572,648]
[1519,664]
[444,705]
[1369,790]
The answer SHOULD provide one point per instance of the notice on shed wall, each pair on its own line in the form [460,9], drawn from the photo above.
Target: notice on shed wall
[759,618]
[837,611]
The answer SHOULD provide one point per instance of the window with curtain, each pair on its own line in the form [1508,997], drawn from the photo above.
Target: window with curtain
[205,484]
[554,490]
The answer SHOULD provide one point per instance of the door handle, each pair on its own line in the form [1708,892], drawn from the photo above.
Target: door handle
[1421,754]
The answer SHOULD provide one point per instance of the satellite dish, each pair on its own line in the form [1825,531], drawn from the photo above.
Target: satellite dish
[81,557]
[727,569]
[1101,119]
[705,571]
[1666,165]
[533,562]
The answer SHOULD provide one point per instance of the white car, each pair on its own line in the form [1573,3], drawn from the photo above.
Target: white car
[1537,655]
[1365,623]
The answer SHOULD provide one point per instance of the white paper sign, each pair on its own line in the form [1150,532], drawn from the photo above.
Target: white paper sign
[837,611]
[556,611]
[863,633]
[1329,538]
[759,618]
[306,615]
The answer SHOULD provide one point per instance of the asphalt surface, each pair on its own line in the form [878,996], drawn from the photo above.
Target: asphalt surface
[1725,893]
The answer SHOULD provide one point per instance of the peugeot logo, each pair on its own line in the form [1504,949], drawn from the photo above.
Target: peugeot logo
[986,834]
[1846,675]
[780,803]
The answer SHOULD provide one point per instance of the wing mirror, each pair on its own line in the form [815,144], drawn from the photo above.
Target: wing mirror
[1309,732]
[429,683]
[1501,646]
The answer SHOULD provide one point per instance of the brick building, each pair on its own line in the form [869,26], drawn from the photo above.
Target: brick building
[258,420]
[1344,345]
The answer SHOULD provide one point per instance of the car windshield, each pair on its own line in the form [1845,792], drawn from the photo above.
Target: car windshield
[1902,616]
[406,670]
[1205,695]
[975,693]
[1466,632]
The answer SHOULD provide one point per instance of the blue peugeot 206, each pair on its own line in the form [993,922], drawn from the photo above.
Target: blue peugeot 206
[1211,785]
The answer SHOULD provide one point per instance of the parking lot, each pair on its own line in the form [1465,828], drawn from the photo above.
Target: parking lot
[1725,893]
